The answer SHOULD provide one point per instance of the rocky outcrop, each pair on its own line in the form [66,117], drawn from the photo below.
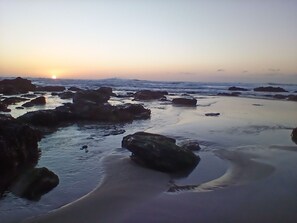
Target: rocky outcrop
[36,101]
[159,152]
[269,89]
[294,135]
[106,91]
[237,89]
[18,149]
[34,183]
[66,95]
[16,86]
[50,88]
[184,101]
[91,97]
[13,100]
[149,95]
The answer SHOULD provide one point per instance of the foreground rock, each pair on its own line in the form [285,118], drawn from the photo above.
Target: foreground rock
[149,95]
[16,86]
[36,101]
[159,152]
[34,183]
[18,149]
[294,135]
[184,101]
[269,89]
[237,89]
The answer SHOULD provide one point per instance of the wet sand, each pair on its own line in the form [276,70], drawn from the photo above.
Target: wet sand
[246,174]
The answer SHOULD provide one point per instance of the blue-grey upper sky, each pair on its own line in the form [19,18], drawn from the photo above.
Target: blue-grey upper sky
[202,40]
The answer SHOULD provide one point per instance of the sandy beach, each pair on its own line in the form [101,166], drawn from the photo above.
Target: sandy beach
[245,173]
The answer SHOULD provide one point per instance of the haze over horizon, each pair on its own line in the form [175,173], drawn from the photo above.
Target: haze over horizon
[168,40]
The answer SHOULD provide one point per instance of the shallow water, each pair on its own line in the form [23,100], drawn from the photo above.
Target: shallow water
[242,130]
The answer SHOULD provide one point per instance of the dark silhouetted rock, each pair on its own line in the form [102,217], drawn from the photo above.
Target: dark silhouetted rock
[292,97]
[66,95]
[16,86]
[129,112]
[74,89]
[29,95]
[18,149]
[37,101]
[212,114]
[159,152]
[269,89]
[233,94]
[90,97]
[106,91]
[190,145]
[3,107]
[237,89]
[184,101]
[149,95]
[294,135]
[34,183]
[50,88]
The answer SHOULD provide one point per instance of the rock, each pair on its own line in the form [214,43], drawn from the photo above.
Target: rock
[233,94]
[149,95]
[37,101]
[90,97]
[184,101]
[3,107]
[212,114]
[237,89]
[18,149]
[269,89]
[159,152]
[13,100]
[47,118]
[16,86]
[190,145]
[19,108]
[294,135]
[50,88]
[129,112]
[34,183]
[292,97]
[66,95]
[29,95]
[74,89]
[106,91]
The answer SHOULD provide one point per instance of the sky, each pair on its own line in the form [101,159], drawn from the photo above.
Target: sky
[180,40]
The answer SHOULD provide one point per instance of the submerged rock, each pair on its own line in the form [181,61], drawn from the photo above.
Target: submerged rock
[159,152]
[34,183]
[184,101]
[191,145]
[294,135]
[149,95]
[233,94]
[237,89]
[269,89]
[36,101]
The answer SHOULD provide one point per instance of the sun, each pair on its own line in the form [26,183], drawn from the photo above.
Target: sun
[54,77]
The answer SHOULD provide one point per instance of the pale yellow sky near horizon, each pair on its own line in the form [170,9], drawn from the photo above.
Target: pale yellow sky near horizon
[155,40]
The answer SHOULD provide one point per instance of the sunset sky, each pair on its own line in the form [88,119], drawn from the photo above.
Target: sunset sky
[191,40]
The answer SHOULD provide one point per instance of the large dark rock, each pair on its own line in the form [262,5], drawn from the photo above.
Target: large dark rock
[74,89]
[159,152]
[50,88]
[66,95]
[292,97]
[16,86]
[237,89]
[34,183]
[294,135]
[269,89]
[129,112]
[149,95]
[184,101]
[18,149]
[36,101]
[3,107]
[90,97]
[105,91]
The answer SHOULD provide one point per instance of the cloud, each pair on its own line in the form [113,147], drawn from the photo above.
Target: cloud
[220,70]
